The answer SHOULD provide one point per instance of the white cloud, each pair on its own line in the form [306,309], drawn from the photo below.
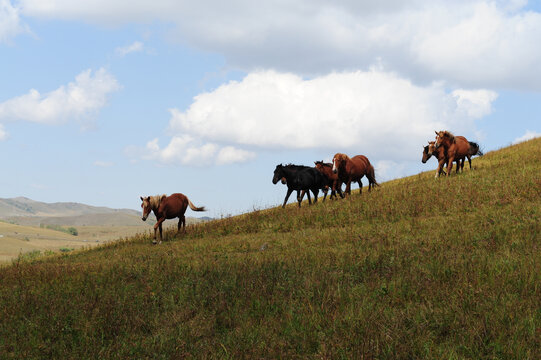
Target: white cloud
[527,136]
[475,103]
[3,133]
[10,22]
[186,150]
[137,46]
[78,100]
[339,111]
[466,43]
[230,154]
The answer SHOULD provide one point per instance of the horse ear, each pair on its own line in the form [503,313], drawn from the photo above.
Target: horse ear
[141,198]
[437,133]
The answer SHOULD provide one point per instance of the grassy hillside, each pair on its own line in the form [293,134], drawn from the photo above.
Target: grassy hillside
[420,268]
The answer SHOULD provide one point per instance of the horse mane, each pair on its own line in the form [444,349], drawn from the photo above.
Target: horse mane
[341,156]
[323,163]
[449,135]
[293,166]
[156,200]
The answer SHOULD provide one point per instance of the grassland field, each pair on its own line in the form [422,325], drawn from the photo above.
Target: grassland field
[420,268]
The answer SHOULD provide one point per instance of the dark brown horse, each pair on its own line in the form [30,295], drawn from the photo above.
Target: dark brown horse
[456,147]
[167,207]
[353,169]
[332,179]
[301,178]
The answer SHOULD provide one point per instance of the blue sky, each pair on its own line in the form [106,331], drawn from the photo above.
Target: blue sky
[104,101]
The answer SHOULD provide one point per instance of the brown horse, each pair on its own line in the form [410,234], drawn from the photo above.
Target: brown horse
[353,169]
[333,181]
[456,147]
[167,207]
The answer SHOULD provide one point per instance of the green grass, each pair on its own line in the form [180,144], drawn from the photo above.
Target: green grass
[419,268]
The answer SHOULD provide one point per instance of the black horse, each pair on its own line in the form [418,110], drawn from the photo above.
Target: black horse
[300,178]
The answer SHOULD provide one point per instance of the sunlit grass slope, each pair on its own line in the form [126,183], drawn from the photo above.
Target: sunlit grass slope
[445,268]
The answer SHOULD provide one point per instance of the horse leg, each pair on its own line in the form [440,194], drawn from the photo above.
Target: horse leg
[316,191]
[157,226]
[289,191]
[348,188]
[360,187]
[440,168]
[469,160]
[181,222]
[309,199]
[339,189]
[450,165]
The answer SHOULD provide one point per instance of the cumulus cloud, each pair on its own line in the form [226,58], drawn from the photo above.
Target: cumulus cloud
[137,46]
[527,136]
[10,22]
[186,150]
[340,111]
[468,44]
[475,103]
[78,100]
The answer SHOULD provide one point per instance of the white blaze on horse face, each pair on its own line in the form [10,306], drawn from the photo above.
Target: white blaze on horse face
[334,169]
[146,209]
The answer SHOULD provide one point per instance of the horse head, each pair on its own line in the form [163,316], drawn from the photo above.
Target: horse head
[279,175]
[337,161]
[426,154]
[431,147]
[445,138]
[146,206]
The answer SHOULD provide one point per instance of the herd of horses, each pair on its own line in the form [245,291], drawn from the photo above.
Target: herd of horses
[446,148]
[325,176]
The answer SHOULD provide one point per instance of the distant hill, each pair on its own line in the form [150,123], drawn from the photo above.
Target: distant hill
[21,206]
[28,212]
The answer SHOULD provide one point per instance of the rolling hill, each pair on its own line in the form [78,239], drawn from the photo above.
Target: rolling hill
[24,207]
[419,268]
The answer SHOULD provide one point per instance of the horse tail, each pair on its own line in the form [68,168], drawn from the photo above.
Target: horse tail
[371,175]
[474,149]
[195,208]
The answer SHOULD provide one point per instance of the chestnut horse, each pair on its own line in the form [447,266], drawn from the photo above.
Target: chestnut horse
[333,181]
[353,169]
[439,154]
[167,207]
[456,147]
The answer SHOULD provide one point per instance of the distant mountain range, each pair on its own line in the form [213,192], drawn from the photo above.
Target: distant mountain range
[24,211]
[21,206]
